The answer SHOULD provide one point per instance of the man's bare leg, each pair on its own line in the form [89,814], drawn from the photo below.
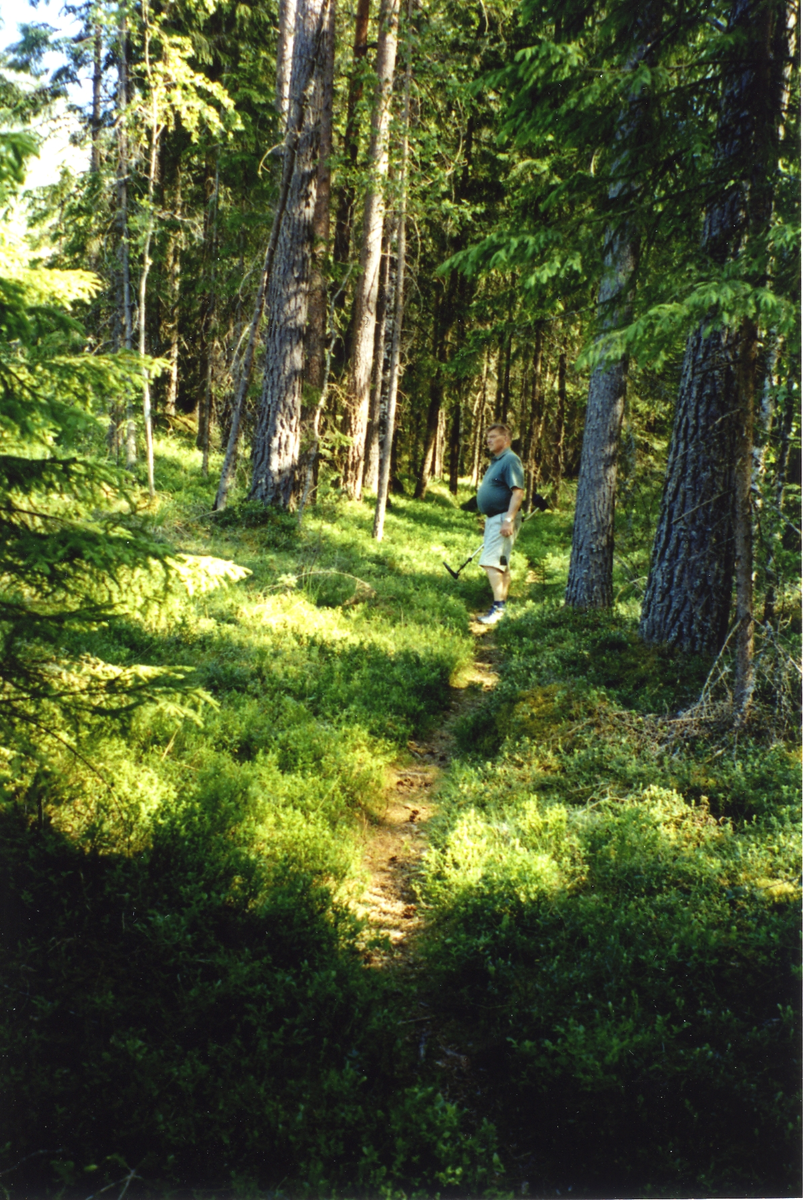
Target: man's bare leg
[499,581]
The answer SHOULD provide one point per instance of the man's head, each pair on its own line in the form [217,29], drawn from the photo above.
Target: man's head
[497,438]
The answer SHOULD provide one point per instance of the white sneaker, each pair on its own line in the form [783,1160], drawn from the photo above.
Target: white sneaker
[494,614]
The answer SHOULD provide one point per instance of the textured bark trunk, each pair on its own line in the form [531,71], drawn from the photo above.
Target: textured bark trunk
[440,440]
[372,437]
[744,675]
[359,381]
[590,583]
[155,133]
[316,352]
[689,589]
[304,93]
[345,205]
[534,419]
[284,59]
[126,327]
[560,424]
[387,421]
[479,422]
[97,85]
[209,324]
[455,435]
[276,446]
[316,325]
[170,324]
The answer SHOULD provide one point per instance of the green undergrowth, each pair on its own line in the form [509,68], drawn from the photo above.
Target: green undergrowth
[614,923]
[610,917]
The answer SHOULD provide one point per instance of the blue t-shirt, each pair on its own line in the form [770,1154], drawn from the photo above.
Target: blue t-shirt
[504,474]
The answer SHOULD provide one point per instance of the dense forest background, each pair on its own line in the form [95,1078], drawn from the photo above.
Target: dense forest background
[247,361]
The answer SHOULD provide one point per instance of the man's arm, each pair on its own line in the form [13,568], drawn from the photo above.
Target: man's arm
[516,497]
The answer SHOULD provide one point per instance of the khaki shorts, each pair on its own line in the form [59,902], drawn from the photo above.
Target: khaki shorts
[496,550]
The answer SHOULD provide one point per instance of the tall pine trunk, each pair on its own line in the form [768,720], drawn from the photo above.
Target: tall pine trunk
[387,417]
[306,93]
[705,525]
[345,204]
[126,326]
[359,381]
[590,582]
[276,446]
[383,301]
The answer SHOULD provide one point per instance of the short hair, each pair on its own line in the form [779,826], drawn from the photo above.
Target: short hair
[498,425]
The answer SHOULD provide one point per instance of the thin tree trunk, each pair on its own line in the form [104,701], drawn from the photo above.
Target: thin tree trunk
[146,262]
[479,421]
[316,323]
[535,416]
[209,322]
[276,446]
[122,205]
[345,205]
[383,302]
[97,84]
[455,434]
[284,60]
[744,679]
[388,415]
[560,424]
[171,324]
[359,383]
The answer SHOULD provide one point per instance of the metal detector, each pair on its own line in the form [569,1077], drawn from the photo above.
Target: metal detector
[539,505]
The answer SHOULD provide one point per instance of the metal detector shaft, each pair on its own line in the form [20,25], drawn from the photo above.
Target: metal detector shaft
[539,505]
[454,574]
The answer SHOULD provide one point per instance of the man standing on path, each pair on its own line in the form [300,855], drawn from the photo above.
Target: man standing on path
[499,499]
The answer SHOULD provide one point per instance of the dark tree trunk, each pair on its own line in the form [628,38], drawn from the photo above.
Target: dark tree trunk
[316,334]
[590,583]
[361,369]
[316,326]
[688,597]
[276,446]
[560,424]
[345,203]
[454,447]
[97,85]
[387,421]
[381,360]
[534,420]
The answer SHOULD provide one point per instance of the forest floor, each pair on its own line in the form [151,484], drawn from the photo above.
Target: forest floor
[396,843]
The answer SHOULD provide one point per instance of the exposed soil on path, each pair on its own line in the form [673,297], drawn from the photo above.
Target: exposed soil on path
[396,843]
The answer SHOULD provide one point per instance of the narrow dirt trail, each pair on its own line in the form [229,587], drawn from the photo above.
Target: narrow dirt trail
[396,843]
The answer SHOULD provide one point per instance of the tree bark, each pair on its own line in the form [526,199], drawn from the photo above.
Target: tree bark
[284,60]
[535,417]
[387,419]
[688,596]
[372,435]
[304,93]
[276,446]
[97,84]
[359,382]
[126,328]
[170,324]
[590,583]
[316,324]
[455,435]
[345,205]
[155,133]
[560,424]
